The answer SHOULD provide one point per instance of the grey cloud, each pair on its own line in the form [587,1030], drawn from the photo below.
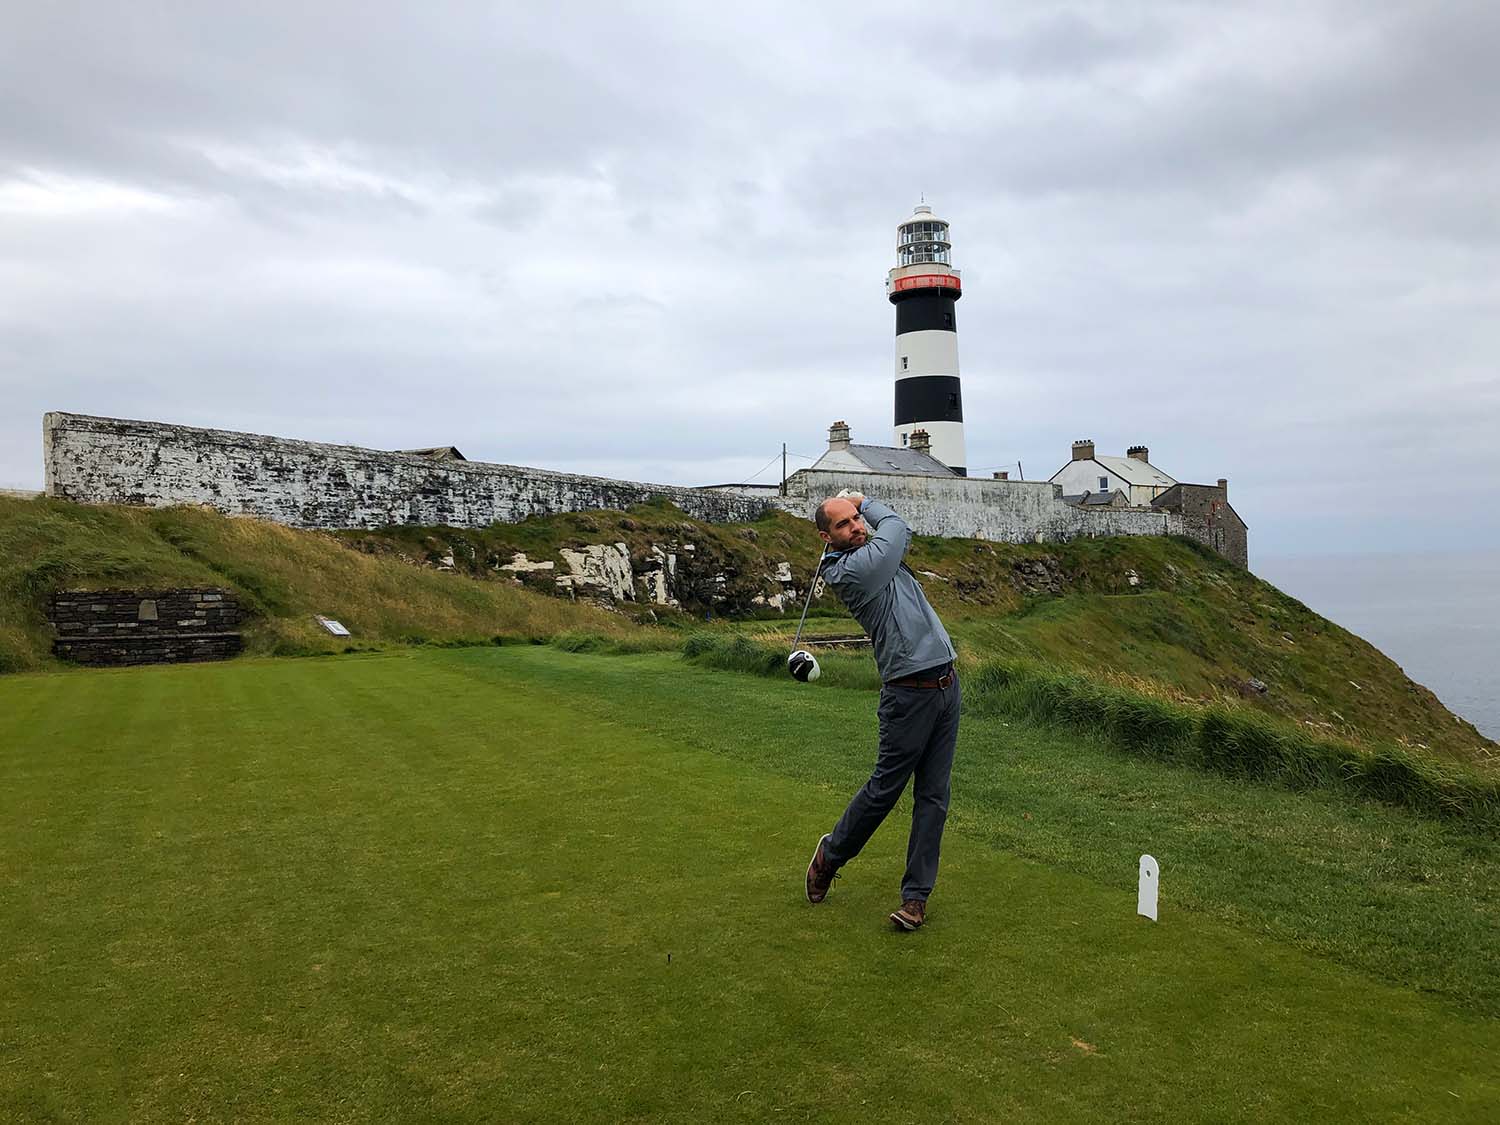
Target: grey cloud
[1065,44]
[1258,240]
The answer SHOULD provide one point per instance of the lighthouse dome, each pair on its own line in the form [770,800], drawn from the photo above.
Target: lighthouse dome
[922,214]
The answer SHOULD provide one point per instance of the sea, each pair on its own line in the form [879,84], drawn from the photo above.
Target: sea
[1436,615]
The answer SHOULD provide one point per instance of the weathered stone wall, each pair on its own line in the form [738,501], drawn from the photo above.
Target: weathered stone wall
[1208,518]
[1004,511]
[144,626]
[308,484]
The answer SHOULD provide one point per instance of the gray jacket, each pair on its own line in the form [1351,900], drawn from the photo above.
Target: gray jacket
[883,594]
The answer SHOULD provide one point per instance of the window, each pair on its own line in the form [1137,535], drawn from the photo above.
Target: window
[1103,484]
[904,364]
[903,439]
[953,401]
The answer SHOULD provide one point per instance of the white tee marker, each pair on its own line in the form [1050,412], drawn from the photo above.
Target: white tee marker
[1145,900]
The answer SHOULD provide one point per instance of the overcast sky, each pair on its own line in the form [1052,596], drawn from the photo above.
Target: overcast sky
[649,241]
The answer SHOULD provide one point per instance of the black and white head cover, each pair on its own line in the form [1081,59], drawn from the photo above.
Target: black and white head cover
[803,666]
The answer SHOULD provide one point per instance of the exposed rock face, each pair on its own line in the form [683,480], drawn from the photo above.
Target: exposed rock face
[783,597]
[601,571]
[694,574]
[1037,576]
[520,564]
[675,574]
[658,577]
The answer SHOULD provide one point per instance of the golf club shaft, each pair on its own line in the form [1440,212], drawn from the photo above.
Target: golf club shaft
[807,604]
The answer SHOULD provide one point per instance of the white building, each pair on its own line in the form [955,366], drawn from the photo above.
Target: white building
[1133,474]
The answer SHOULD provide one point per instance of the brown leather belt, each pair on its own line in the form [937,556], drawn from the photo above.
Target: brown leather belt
[926,679]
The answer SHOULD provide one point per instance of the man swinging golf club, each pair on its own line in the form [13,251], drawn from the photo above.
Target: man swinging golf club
[919,698]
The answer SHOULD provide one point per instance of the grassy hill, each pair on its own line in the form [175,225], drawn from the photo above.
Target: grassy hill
[283,578]
[1160,618]
[1164,617]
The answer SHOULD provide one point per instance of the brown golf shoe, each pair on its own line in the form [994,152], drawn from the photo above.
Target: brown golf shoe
[912,914]
[821,873]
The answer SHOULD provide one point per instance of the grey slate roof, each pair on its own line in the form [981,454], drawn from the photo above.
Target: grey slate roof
[890,459]
[1095,499]
[1136,472]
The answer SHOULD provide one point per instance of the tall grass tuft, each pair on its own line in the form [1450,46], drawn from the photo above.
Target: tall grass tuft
[739,653]
[647,640]
[1235,743]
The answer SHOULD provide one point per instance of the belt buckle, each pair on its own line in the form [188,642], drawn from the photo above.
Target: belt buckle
[945,681]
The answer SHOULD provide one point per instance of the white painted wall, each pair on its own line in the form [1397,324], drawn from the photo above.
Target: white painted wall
[1083,476]
[933,352]
[947,441]
[1006,511]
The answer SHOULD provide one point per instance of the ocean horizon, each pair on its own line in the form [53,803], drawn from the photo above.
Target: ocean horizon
[1436,615]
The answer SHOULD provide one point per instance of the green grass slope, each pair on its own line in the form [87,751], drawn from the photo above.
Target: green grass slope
[283,578]
[1164,617]
[518,884]
[1160,618]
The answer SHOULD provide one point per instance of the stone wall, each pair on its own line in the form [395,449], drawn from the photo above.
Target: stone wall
[1003,511]
[144,626]
[1208,518]
[308,484]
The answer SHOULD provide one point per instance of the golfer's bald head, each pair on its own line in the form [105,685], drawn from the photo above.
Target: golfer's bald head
[839,523]
[822,517]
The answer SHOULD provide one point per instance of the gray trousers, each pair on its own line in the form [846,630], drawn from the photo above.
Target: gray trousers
[918,731]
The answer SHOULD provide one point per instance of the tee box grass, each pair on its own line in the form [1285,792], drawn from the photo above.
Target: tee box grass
[524,884]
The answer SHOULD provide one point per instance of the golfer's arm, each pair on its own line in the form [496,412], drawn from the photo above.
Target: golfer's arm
[876,563]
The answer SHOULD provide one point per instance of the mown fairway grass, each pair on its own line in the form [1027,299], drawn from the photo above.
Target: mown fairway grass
[446,885]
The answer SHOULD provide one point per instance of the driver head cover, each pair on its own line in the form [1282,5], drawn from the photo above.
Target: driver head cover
[803,666]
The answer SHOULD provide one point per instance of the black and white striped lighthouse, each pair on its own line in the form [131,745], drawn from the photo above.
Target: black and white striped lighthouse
[924,287]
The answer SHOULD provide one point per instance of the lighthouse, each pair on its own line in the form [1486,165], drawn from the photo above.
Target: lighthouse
[925,287]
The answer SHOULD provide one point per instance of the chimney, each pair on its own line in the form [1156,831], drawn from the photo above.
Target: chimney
[1083,450]
[1224,487]
[838,435]
[1002,476]
[920,442]
[1139,452]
